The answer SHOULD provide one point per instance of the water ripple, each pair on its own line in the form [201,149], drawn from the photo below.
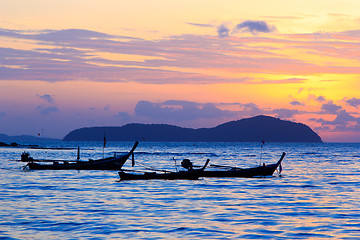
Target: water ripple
[317,196]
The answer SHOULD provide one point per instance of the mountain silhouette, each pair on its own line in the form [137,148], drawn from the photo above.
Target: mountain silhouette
[255,129]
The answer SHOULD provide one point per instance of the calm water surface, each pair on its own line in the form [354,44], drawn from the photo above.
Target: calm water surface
[317,196]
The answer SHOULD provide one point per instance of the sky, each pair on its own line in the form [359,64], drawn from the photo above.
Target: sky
[71,64]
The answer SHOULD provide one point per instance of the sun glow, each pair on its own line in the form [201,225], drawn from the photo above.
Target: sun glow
[298,61]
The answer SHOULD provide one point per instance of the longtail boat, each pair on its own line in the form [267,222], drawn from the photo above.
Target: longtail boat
[110,163]
[190,174]
[260,171]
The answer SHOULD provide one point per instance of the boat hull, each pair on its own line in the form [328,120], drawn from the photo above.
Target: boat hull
[103,164]
[110,163]
[191,174]
[166,176]
[261,171]
[247,173]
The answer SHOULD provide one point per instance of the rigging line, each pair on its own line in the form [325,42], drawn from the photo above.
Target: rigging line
[154,169]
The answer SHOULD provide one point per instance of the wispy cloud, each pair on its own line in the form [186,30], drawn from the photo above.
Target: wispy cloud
[76,54]
[201,25]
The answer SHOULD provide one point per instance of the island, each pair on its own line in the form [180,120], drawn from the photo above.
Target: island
[255,129]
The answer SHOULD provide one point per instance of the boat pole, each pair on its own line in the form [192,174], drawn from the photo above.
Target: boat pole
[262,144]
[78,154]
[175,163]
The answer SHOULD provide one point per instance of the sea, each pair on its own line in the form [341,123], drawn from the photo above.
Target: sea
[316,196]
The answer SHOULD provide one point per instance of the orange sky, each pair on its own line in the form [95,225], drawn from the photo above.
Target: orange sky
[65,65]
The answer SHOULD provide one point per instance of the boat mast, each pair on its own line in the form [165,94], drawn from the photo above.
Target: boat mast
[104,144]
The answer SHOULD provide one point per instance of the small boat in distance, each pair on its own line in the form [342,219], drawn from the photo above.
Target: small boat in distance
[190,174]
[110,163]
[233,172]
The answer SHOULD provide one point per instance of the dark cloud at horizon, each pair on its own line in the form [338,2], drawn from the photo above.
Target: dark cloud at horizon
[47,110]
[180,111]
[343,121]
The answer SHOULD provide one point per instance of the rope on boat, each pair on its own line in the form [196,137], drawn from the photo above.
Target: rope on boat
[279,170]
[226,167]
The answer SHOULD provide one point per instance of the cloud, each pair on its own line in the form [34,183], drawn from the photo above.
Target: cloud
[63,35]
[75,54]
[343,122]
[285,113]
[251,106]
[107,107]
[175,110]
[46,97]
[343,118]
[282,81]
[123,116]
[254,27]
[223,31]
[201,25]
[296,103]
[244,109]
[330,107]
[320,99]
[318,120]
[322,128]
[47,110]
[354,102]
[313,97]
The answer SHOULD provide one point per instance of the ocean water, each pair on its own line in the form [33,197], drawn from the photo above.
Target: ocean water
[317,195]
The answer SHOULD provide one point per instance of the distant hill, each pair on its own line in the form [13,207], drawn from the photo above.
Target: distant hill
[23,138]
[255,129]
